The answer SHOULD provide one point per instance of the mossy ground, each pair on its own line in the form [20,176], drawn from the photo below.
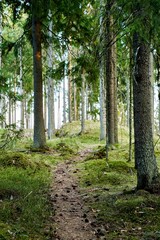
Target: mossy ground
[24,186]
[25,179]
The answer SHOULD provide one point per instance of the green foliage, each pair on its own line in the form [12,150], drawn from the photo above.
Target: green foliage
[10,136]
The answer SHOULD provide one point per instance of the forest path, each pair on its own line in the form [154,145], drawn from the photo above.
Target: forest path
[72,219]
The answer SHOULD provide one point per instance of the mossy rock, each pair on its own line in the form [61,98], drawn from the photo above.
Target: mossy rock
[61,133]
[63,148]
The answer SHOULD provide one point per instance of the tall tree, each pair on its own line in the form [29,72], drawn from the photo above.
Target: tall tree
[145,160]
[111,82]
[39,129]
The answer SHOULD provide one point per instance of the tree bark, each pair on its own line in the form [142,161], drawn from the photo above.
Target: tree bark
[39,130]
[145,160]
[151,73]
[111,83]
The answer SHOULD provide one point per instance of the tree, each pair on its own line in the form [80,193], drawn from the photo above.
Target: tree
[39,130]
[145,160]
[111,80]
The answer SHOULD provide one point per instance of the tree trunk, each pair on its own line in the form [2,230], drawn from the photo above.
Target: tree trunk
[111,83]
[75,102]
[102,76]
[151,73]
[83,103]
[59,107]
[64,100]
[145,159]
[130,104]
[51,111]
[69,88]
[39,130]
[21,86]
[115,92]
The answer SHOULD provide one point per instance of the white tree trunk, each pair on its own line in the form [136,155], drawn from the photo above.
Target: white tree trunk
[69,87]
[51,117]
[59,107]
[64,90]
[21,86]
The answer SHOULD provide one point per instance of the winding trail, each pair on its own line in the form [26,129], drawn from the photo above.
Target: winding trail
[73,221]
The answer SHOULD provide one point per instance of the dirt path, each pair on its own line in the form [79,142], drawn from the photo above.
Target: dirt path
[73,221]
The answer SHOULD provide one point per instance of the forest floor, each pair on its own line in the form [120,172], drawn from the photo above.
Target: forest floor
[71,192]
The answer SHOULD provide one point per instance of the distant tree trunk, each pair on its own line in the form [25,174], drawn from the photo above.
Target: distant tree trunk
[130,104]
[75,102]
[51,111]
[10,111]
[59,107]
[64,100]
[128,101]
[83,103]
[39,130]
[21,85]
[26,114]
[69,87]
[115,92]
[14,102]
[45,104]
[145,160]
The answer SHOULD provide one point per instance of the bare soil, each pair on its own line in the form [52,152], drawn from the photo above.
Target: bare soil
[72,219]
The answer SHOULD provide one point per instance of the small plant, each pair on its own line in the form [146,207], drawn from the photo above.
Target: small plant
[10,136]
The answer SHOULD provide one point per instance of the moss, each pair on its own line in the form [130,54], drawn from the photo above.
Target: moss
[21,160]
[64,149]
[18,160]
[120,166]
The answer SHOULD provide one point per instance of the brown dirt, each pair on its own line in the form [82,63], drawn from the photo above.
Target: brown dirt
[72,219]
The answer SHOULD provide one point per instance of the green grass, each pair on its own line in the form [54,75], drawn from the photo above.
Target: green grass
[24,187]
